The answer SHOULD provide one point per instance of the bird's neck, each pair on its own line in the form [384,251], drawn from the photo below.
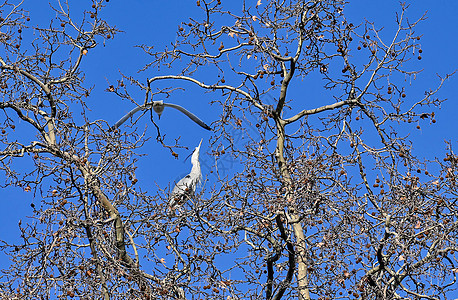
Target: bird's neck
[195,168]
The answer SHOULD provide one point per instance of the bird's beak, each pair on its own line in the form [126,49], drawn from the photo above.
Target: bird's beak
[200,142]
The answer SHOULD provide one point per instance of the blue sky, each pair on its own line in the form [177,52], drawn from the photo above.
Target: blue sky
[155,23]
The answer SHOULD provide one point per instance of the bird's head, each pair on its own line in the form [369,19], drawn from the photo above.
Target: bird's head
[158,107]
[195,154]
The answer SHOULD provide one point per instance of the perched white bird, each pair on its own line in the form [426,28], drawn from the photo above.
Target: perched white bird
[187,185]
[158,107]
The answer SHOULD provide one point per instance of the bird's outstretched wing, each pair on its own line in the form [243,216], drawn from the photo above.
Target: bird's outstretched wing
[189,114]
[127,116]
[149,105]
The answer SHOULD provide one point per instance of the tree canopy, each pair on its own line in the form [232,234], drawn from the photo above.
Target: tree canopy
[312,185]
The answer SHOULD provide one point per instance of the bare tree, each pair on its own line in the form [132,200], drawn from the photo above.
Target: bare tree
[326,199]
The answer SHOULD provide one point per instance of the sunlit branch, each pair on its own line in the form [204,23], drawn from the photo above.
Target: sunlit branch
[210,87]
[307,112]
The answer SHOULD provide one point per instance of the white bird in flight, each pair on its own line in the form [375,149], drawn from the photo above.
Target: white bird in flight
[187,185]
[158,107]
